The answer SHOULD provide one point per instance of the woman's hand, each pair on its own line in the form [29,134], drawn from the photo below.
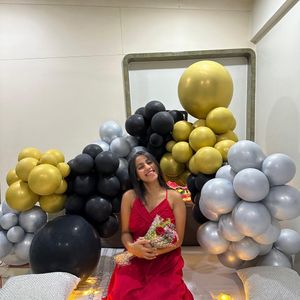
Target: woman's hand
[142,249]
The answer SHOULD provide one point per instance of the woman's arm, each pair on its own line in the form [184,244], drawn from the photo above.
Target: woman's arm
[179,211]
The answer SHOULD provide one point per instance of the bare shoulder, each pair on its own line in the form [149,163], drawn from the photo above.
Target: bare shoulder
[175,198]
[128,197]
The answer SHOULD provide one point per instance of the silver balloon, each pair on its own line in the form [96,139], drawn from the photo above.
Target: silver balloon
[120,147]
[228,230]
[288,241]
[251,218]
[245,154]
[22,248]
[218,195]
[246,249]
[283,202]
[208,213]
[226,172]
[270,235]
[279,168]
[33,219]
[264,249]
[13,260]
[7,209]
[210,240]
[230,259]
[8,220]
[251,185]
[109,130]
[15,234]
[5,245]
[133,142]
[104,146]
[275,258]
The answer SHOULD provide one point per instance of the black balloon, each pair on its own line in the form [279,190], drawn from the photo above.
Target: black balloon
[191,185]
[83,163]
[140,111]
[85,185]
[153,107]
[65,244]
[124,179]
[108,228]
[198,216]
[106,162]
[93,150]
[156,140]
[74,204]
[162,122]
[116,204]
[109,186]
[177,115]
[201,179]
[98,209]
[135,125]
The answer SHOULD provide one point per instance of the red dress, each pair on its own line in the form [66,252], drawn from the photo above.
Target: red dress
[143,279]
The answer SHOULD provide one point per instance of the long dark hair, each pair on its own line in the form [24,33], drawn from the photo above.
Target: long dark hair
[138,185]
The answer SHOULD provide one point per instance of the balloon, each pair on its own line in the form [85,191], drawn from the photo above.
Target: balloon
[120,147]
[156,140]
[52,203]
[208,160]
[83,164]
[33,219]
[132,141]
[230,259]
[135,125]
[226,172]
[162,122]
[218,196]
[220,120]
[98,209]
[197,215]
[223,147]
[92,150]
[170,167]
[106,162]
[57,153]
[209,214]
[62,188]
[6,209]
[135,150]
[199,123]
[13,260]
[170,145]
[29,152]
[275,258]
[245,154]
[191,185]
[228,230]
[203,86]
[192,166]
[20,197]
[264,249]
[251,185]
[176,115]
[124,179]
[288,241]
[210,240]
[64,169]
[22,248]
[11,177]
[85,185]
[182,152]
[109,186]
[15,234]
[182,130]
[5,245]
[251,218]
[246,249]
[8,220]
[48,158]
[110,130]
[75,204]
[109,227]
[283,202]
[201,137]
[104,146]
[123,165]
[153,107]
[279,168]
[229,135]
[44,179]
[24,167]
[270,235]
[66,244]
[201,179]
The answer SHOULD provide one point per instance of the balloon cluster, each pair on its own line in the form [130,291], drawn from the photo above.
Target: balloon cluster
[16,233]
[244,205]
[152,125]
[38,177]
[98,178]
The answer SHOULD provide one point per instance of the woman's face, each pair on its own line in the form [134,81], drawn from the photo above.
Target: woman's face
[145,169]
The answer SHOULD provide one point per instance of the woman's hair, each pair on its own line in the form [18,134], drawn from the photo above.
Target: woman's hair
[137,184]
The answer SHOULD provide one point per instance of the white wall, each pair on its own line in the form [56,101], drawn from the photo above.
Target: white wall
[60,61]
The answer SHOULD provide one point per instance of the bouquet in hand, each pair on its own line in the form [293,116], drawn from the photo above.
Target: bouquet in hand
[161,234]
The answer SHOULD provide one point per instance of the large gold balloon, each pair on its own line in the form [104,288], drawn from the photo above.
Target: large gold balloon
[64,169]
[223,147]
[52,203]
[203,86]
[182,130]
[220,120]
[202,137]
[57,153]
[11,177]
[20,197]
[24,167]
[44,179]
[170,167]
[170,145]
[229,135]
[30,152]
[198,123]
[182,152]
[208,160]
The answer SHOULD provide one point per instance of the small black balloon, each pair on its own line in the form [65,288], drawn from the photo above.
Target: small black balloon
[116,204]
[140,111]
[135,125]
[156,140]
[198,216]
[92,149]
[109,186]
[191,184]
[83,163]
[98,209]
[162,122]
[106,162]
[153,107]
[108,228]
[124,179]
[201,179]
[65,244]
[74,204]
[177,115]
[85,185]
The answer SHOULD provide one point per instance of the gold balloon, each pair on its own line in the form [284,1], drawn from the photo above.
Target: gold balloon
[182,152]
[220,120]
[44,179]
[223,147]
[170,145]
[52,203]
[24,167]
[62,187]
[202,137]
[48,158]
[184,176]
[229,135]
[208,160]
[203,86]
[20,197]
[30,152]
[182,130]
[192,166]
[11,177]
[170,167]
[199,123]
[57,153]
[64,169]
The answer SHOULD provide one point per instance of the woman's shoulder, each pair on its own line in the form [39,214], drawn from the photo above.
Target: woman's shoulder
[174,197]
[129,196]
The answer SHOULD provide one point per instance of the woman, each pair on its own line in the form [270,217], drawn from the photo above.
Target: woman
[153,274]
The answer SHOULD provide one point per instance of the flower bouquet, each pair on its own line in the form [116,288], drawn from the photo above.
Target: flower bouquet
[161,234]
